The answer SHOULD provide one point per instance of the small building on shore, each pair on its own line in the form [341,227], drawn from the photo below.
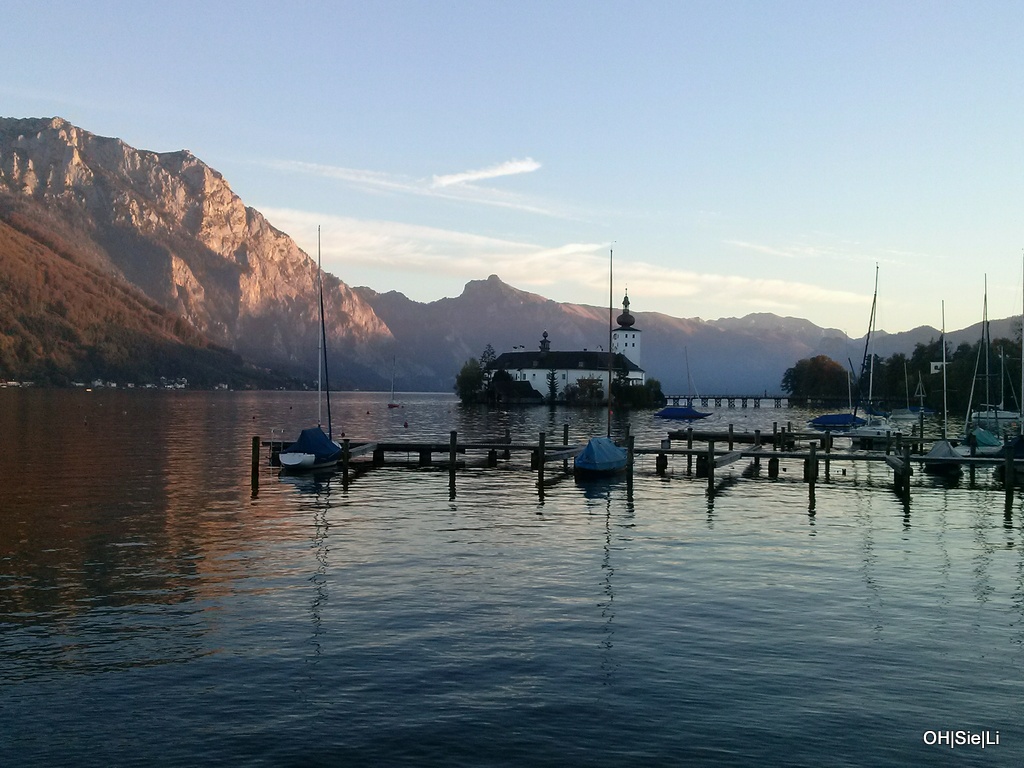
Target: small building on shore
[577,372]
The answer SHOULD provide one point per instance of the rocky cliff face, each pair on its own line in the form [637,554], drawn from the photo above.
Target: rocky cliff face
[171,225]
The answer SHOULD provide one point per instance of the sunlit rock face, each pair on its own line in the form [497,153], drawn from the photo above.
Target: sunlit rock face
[172,226]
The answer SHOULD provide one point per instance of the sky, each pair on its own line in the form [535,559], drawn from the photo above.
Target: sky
[730,157]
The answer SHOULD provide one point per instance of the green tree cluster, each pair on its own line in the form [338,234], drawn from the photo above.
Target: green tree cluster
[975,374]
[819,376]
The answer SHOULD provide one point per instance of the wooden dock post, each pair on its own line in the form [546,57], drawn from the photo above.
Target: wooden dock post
[662,461]
[773,468]
[757,446]
[901,472]
[453,453]
[811,464]
[255,465]
[345,456]
[908,471]
[540,461]
[811,475]
[973,441]
[630,439]
[689,447]
[710,462]
[731,438]
[565,441]
[1008,474]
[508,440]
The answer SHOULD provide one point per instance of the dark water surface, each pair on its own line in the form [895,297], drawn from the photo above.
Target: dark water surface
[155,611]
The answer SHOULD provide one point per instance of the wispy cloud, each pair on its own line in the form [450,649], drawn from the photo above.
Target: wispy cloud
[456,187]
[823,246]
[510,168]
[416,260]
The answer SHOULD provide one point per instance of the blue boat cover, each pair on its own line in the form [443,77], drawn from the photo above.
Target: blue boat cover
[837,421]
[314,441]
[681,412]
[600,455]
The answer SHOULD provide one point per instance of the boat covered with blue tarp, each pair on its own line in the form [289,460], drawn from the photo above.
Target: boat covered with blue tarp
[838,421]
[312,450]
[681,413]
[600,457]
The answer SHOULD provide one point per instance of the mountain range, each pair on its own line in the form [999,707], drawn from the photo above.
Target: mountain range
[119,261]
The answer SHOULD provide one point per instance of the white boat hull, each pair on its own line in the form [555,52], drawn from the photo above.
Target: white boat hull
[297,460]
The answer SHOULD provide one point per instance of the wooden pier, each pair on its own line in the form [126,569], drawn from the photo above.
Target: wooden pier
[704,452]
[755,401]
[728,401]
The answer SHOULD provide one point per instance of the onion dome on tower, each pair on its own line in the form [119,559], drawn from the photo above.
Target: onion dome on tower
[626,338]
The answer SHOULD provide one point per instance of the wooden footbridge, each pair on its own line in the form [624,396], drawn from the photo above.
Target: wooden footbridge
[704,454]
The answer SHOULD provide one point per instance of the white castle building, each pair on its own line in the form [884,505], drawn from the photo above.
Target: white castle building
[571,367]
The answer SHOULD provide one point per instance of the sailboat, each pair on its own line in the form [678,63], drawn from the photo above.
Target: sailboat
[943,458]
[986,422]
[846,421]
[601,457]
[876,428]
[912,412]
[391,402]
[1015,447]
[683,412]
[314,449]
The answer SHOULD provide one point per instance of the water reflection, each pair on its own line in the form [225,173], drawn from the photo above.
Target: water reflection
[410,616]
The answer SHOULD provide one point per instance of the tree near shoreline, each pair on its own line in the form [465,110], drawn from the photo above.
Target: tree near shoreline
[819,376]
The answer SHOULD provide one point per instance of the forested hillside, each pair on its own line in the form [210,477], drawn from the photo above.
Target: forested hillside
[67,320]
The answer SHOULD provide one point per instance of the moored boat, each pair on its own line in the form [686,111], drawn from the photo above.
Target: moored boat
[943,459]
[875,433]
[313,450]
[600,457]
[850,420]
[681,412]
[840,421]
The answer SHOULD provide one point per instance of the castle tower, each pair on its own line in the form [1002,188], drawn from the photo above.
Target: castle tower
[626,338]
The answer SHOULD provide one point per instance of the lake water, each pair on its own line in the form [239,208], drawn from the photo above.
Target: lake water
[157,610]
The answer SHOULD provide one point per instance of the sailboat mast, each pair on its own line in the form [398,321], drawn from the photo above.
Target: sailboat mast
[943,370]
[987,344]
[864,365]
[319,340]
[323,337]
[610,312]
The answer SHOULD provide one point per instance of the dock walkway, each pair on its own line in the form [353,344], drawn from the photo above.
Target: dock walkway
[704,452]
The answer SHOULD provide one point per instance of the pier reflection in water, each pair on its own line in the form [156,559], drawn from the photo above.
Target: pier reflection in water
[153,611]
